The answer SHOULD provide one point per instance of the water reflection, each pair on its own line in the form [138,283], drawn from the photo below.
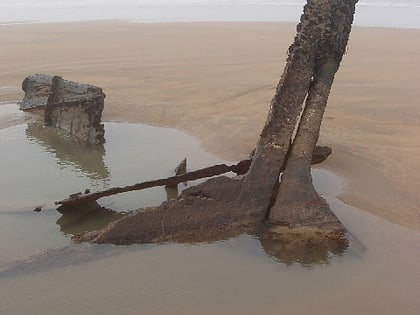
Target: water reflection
[304,251]
[171,192]
[89,159]
[87,217]
[296,248]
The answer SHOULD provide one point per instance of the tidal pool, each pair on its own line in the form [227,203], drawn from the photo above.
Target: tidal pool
[41,272]
[41,165]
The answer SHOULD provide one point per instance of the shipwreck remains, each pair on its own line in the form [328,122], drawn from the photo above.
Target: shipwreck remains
[70,106]
[320,154]
[289,214]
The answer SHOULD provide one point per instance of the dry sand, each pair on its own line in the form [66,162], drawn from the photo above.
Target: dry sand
[215,81]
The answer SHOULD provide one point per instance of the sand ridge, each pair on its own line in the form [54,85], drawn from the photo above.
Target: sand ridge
[216,80]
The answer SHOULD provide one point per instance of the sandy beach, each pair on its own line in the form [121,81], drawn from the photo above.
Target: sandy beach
[215,81]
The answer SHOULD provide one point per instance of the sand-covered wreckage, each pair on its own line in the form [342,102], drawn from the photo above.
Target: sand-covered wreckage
[73,107]
[292,221]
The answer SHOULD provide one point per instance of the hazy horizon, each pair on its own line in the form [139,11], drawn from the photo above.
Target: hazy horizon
[378,13]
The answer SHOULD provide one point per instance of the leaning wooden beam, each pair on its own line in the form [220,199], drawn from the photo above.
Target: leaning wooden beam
[273,146]
[319,155]
[298,205]
[239,168]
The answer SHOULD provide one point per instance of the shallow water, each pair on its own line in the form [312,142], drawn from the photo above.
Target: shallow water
[380,274]
[40,165]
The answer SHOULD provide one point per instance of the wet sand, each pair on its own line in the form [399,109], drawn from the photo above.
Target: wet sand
[215,81]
